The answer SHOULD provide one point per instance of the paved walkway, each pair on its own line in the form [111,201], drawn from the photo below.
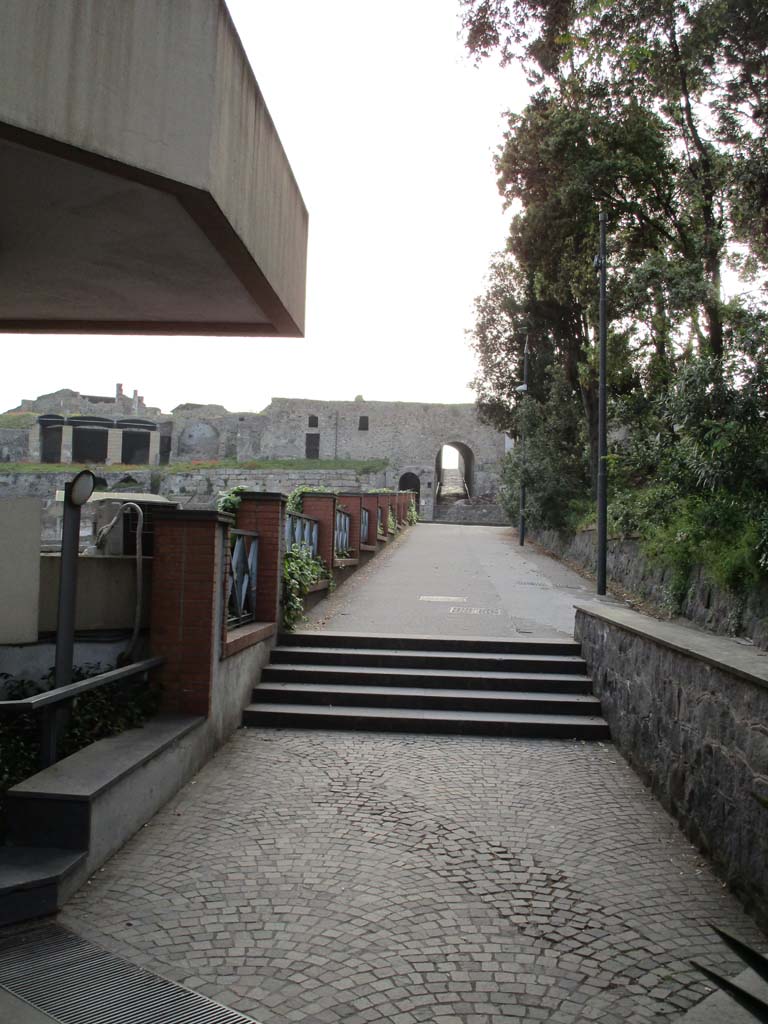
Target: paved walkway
[457,580]
[322,877]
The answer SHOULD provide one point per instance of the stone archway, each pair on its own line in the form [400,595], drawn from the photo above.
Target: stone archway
[454,471]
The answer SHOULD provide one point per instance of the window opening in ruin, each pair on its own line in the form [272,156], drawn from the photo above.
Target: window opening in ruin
[89,444]
[135,450]
[312,448]
[363,423]
[50,445]
[312,422]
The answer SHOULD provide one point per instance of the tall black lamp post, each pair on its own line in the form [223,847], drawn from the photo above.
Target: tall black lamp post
[54,716]
[523,389]
[602,430]
[76,493]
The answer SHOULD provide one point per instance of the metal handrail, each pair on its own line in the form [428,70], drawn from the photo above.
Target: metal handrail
[61,693]
[53,704]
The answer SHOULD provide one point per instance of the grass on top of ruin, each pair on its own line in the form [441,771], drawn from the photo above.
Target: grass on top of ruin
[358,465]
[18,420]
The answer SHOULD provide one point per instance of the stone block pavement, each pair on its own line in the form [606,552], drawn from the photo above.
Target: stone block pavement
[325,877]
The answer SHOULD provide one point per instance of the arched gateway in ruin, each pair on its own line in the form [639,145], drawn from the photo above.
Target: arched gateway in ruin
[408,445]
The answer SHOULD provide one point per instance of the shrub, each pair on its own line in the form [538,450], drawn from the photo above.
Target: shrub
[300,572]
[295,497]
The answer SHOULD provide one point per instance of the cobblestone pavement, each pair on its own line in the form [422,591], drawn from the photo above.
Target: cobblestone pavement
[327,876]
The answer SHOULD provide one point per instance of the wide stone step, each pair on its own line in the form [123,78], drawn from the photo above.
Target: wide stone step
[311,716]
[453,661]
[399,642]
[538,682]
[29,880]
[423,697]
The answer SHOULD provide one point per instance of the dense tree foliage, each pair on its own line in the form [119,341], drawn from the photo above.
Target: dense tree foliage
[657,113]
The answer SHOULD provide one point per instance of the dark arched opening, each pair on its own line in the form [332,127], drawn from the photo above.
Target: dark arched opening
[410,482]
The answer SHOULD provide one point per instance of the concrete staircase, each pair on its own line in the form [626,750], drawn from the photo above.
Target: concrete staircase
[463,512]
[427,684]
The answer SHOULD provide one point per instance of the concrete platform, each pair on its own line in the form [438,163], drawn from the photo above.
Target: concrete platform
[144,186]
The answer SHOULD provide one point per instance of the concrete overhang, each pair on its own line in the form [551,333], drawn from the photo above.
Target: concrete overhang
[143,186]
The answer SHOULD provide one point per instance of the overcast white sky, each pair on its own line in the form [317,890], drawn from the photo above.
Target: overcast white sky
[390,131]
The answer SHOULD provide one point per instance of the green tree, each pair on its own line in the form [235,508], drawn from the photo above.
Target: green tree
[700,69]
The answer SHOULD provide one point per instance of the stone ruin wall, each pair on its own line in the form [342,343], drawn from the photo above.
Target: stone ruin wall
[198,488]
[409,435]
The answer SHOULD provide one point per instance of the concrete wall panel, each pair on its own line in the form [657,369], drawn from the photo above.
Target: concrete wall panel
[251,179]
[19,569]
[127,80]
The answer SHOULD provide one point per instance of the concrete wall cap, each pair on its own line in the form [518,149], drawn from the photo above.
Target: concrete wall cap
[720,652]
[263,495]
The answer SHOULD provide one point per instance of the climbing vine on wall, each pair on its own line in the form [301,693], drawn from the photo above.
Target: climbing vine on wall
[301,571]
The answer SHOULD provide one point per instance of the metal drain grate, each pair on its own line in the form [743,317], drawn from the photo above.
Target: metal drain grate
[77,982]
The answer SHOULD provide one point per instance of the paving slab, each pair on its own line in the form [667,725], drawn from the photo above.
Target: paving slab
[328,877]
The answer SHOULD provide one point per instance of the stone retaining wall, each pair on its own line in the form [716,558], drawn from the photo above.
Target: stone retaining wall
[705,603]
[197,488]
[14,444]
[696,731]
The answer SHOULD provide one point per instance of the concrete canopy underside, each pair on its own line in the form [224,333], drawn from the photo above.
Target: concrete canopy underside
[143,187]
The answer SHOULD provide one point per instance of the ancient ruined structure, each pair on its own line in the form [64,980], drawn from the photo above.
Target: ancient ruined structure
[411,437]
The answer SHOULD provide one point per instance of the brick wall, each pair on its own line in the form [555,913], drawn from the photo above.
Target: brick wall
[322,507]
[185,605]
[265,514]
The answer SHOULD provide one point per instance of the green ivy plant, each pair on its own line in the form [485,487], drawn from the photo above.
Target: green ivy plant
[412,515]
[229,501]
[295,497]
[301,571]
[391,522]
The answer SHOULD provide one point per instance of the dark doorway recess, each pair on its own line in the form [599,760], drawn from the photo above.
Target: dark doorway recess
[312,447]
[135,450]
[410,482]
[89,444]
[50,446]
